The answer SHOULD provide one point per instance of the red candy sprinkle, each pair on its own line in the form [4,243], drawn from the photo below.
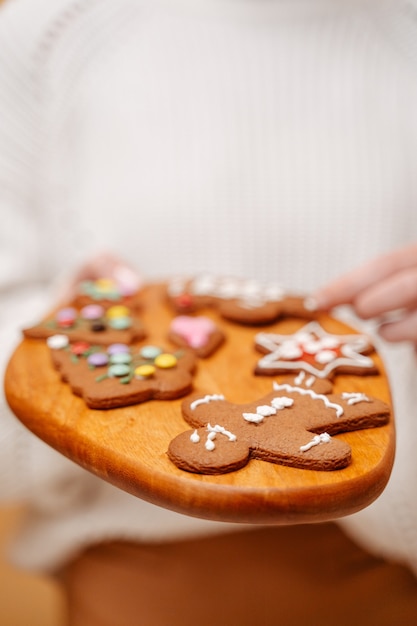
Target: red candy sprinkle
[80,347]
[184,301]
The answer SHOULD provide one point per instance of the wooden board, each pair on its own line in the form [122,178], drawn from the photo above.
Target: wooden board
[127,446]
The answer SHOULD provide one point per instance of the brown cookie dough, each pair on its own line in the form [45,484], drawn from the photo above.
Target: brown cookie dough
[313,350]
[92,324]
[199,333]
[290,426]
[120,375]
[238,300]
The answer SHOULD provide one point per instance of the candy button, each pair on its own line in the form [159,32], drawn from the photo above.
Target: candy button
[92,312]
[116,348]
[66,317]
[98,359]
[120,357]
[79,347]
[118,369]
[98,326]
[150,352]
[120,323]
[105,284]
[144,371]
[118,311]
[165,361]
[57,342]
[184,301]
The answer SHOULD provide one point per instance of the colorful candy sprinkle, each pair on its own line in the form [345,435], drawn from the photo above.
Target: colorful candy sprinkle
[121,357]
[150,352]
[165,361]
[144,371]
[98,359]
[118,369]
[92,312]
[57,342]
[118,311]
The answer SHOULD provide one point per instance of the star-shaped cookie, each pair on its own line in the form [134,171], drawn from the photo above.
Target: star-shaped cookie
[313,350]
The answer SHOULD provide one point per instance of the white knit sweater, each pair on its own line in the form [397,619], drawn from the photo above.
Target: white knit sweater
[260,138]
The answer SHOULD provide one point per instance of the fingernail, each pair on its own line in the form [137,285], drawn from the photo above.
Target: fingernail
[310,304]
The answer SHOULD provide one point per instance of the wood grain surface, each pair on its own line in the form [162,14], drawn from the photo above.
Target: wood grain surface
[127,446]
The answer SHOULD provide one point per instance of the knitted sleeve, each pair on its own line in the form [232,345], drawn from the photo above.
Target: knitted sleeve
[23,296]
[397,20]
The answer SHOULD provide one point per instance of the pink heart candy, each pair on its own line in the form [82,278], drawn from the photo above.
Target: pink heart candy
[195,330]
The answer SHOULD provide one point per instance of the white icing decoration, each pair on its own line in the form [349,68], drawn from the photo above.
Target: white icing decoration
[325,356]
[222,431]
[355,397]
[265,410]
[211,435]
[195,437]
[323,438]
[312,394]
[254,418]
[249,293]
[282,403]
[290,350]
[208,398]
[57,342]
[314,338]
[177,286]
[300,378]
[311,346]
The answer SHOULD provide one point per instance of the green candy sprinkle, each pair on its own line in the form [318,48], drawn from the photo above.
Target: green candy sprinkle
[118,369]
[120,323]
[150,352]
[123,358]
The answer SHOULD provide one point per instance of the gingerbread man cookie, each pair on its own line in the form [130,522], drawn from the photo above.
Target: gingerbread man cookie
[315,351]
[293,425]
[238,300]
[92,324]
[119,375]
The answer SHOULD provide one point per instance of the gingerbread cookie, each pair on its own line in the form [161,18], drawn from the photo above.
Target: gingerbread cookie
[199,333]
[237,300]
[107,292]
[119,375]
[92,324]
[292,426]
[315,351]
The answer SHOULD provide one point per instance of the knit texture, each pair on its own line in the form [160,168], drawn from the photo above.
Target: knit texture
[274,140]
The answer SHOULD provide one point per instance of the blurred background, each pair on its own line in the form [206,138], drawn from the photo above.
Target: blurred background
[25,599]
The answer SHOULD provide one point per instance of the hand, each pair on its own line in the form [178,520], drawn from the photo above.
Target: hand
[380,288]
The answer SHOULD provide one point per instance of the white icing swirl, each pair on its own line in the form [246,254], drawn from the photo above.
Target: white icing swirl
[317,439]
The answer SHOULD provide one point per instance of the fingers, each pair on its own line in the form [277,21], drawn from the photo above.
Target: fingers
[404,329]
[347,288]
[398,291]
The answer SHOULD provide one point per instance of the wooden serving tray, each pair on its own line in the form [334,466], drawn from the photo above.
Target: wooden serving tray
[127,446]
